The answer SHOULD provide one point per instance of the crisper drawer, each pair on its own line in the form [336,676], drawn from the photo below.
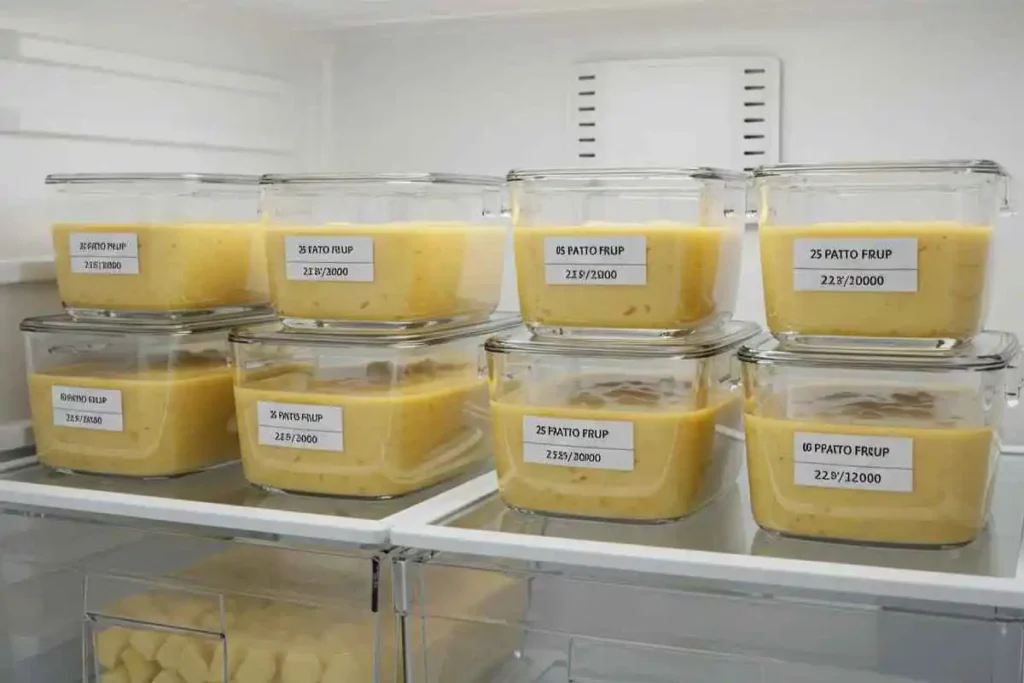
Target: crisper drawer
[242,614]
[519,622]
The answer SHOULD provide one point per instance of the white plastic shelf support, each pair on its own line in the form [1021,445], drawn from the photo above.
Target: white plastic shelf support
[862,579]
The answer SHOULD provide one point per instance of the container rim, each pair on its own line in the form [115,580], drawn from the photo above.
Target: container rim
[989,350]
[385,178]
[279,333]
[641,173]
[200,178]
[64,323]
[701,344]
[979,166]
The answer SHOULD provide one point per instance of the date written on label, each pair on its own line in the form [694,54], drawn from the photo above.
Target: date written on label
[80,408]
[597,444]
[296,425]
[595,260]
[855,265]
[338,259]
[879,463]
[115,253]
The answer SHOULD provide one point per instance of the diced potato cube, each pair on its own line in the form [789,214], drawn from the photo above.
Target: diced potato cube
[236,653]
[166,676]
[140,669]
[118,675]
[342,668]
[147,643]
[192,664]
[259,666]
[300,666]
[110,643]
[168,654]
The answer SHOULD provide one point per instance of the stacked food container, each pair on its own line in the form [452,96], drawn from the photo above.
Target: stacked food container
[622,399]
[154,270]
[371,382]
[872,414]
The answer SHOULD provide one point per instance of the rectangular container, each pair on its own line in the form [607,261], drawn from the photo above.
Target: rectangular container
[896,448]
[898,253]
[132,398]
[384,250]
[158,244]
[624,430]
[362,415]
[627,251]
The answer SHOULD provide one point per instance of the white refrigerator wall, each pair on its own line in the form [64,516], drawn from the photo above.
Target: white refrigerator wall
[115,87]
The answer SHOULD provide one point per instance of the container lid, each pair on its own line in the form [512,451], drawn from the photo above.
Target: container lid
[387,178]
[120,326]
[582,175]
[201,178]
[701,344]
[981,166]
[987,351]
[428,335]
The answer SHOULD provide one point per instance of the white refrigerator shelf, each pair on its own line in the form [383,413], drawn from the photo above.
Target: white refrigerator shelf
[723,546]
[218,500]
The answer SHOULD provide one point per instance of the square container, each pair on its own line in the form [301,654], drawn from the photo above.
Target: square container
[158,244]
[897,253]
[896,448]
[624,430]
[132,398]
[384,250]
[363,415]
[627,251]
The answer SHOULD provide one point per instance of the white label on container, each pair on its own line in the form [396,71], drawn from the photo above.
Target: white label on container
[842,461]
[299,425]
[337,259]
[104,253]
[80,408]
[855,265]
[597,444]
[595,260]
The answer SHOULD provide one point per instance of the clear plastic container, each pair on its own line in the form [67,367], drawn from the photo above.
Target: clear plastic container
[132,398]
[896,448]
[616,429]
[900,251]
[362,415]
[158,244]
[627,251]
[385,250]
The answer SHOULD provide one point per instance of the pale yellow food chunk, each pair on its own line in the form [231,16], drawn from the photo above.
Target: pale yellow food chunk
[192,664]
[300,666]
[259,666]
[118,675]
[166,676]
[167,655]
[342,668]
[147,643]
[235,652]
[110,643]
[140,669]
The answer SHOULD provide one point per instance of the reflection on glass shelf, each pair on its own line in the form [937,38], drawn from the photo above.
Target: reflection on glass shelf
[726,526]
[226,485]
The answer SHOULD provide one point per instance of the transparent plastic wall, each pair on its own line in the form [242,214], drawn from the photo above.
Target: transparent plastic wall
[124,606]
[519,622]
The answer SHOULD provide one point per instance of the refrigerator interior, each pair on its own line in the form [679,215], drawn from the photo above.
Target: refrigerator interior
[253,86]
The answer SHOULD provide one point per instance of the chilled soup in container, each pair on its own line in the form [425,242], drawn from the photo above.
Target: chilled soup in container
[384,250]
[627,251]
[627,429]
[361,415]
[894,448]
[881,254]
[158,245]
